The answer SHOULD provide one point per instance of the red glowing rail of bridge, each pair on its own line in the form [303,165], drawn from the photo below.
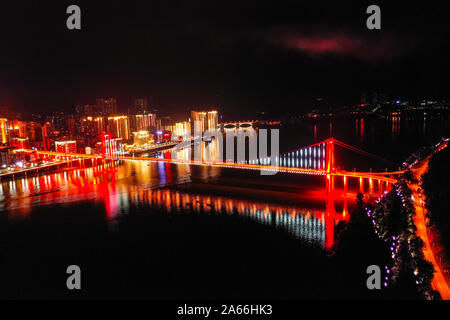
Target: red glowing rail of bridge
[327,168]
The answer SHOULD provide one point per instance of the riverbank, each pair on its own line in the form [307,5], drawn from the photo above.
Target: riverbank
[393,220]
[430,205]
[51,168]
[399,219]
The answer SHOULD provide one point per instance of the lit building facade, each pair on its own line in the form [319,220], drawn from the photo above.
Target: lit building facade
[46,131]
[21,143]
[92,126]
[34,131]
[71,126]
[11,130]
[182,129]
[5,157]
[66,146]
[109,146]
[119,127]
[145,121]
[4,130]
[206,120]
[212,119]
[18,129]
[142,137]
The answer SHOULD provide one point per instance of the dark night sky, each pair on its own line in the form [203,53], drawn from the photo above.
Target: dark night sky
[238,55]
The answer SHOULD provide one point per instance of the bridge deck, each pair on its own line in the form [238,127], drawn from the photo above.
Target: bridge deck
[382,176]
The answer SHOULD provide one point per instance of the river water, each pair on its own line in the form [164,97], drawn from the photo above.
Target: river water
[159,230]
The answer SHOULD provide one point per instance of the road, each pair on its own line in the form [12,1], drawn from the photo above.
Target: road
[6,173]
[440,282]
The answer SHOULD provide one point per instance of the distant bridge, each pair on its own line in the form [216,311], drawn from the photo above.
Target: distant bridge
[236,125]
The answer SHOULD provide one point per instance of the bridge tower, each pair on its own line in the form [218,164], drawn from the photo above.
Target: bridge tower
[330,156]
[329,163]
[106,144]
[330,214]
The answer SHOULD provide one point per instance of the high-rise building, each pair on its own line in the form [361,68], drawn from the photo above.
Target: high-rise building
[5,157]
[71,126]
[119,127]
[212,120]
[158,124]
[21,143]
[91,127]
[140,105]
[182,129]
[206,120]
[10,130]
[34,131]
[4,130]
[86,109]
[59,121]
[46,132]
[169,127]
[145,121]
[66,146]
[17,129]
[106,106]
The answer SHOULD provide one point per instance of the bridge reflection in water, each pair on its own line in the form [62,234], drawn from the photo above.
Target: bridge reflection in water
[311,225]
[121,186]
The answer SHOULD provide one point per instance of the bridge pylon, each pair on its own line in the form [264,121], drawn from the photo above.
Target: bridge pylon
[106,144]
[329,155]
[329,163]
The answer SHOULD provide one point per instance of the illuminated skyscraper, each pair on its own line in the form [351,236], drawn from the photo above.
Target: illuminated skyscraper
[182,129]
[34,131]
[46,131]
[4,130]
[212,120]
[71,126]
[119,127]
[66,146]
[92,126]
[18,129]
[207,120]
[145,121]
[21,143]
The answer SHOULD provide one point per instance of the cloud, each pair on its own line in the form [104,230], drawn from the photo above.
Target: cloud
[318,45]
[366,48]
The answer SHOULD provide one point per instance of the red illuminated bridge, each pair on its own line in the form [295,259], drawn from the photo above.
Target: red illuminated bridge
[315,159]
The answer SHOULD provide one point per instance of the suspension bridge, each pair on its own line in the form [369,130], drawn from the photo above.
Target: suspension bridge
[316,159]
